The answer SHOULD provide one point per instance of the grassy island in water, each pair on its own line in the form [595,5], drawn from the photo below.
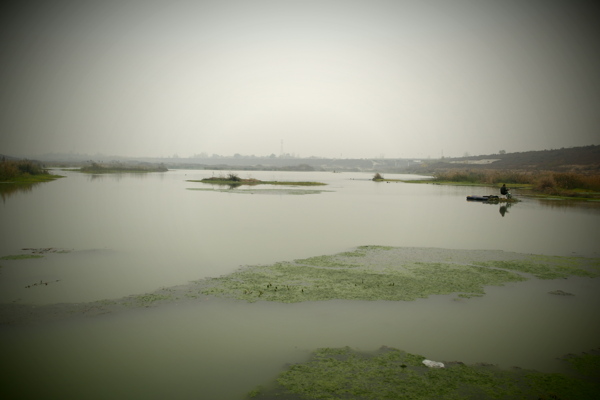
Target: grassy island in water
[235,180]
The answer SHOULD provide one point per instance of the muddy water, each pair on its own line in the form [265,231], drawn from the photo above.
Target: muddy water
[132,234]
[223,349]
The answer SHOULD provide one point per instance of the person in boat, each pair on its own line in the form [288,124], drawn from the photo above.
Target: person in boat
[504,191]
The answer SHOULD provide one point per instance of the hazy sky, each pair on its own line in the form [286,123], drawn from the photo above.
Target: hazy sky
[328,78]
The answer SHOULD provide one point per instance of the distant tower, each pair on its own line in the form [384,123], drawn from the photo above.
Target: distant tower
[281,149]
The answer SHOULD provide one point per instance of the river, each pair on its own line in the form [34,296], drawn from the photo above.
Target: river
[117,235]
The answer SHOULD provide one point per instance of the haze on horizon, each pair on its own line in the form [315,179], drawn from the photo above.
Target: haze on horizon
[339,78]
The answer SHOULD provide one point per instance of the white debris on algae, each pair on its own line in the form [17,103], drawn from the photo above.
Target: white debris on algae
[433,364]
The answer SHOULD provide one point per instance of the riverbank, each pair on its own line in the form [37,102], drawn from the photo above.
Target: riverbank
[536,184]
[24,172]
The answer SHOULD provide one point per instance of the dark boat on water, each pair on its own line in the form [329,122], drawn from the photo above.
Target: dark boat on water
[483,198]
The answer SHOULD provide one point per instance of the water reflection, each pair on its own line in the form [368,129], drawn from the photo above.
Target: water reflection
[567,203]
[504,205]
[130,238]
[9,189]
[504,208]
[117,176]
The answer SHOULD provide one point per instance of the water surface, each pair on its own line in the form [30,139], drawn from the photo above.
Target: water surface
[131,234]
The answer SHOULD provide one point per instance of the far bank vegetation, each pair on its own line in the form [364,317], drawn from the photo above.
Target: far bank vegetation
[24,171]
[570,184]
[115,167]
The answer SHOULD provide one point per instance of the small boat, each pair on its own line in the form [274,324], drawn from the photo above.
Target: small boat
[483,198]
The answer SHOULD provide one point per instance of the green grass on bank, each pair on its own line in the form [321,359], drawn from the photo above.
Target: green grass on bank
[24,172]
[544,184]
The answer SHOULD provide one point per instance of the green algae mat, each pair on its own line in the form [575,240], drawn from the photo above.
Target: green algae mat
[263,191]
[393,273]
[365,273]
[342,373]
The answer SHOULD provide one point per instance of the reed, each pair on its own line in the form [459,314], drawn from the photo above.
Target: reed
[552,183]
[484,176]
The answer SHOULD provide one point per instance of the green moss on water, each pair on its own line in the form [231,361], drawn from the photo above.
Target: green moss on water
[235,180]
[546,267]
[324,279]
[387,273]
[21,257]
[343,373]
[374,247]
[263,191]
[587,364]
[151,298]
[560,386]
[329,261]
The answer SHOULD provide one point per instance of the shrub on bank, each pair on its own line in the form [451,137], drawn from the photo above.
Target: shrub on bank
[546,184]
[491,177]
[233,177]
[10,170]
[553,183]
[556,182]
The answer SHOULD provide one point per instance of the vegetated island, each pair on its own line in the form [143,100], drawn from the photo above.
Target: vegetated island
[118,168]
[24,172]
[235,180]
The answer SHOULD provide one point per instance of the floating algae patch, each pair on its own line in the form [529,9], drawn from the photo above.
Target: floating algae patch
[291,283]
[389,273]
[34,253]
[344,259]
[342,373]
[264,191]
[546,267]
[152,297]
[46,250]
[587,364]
[331,261]
[21,256]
